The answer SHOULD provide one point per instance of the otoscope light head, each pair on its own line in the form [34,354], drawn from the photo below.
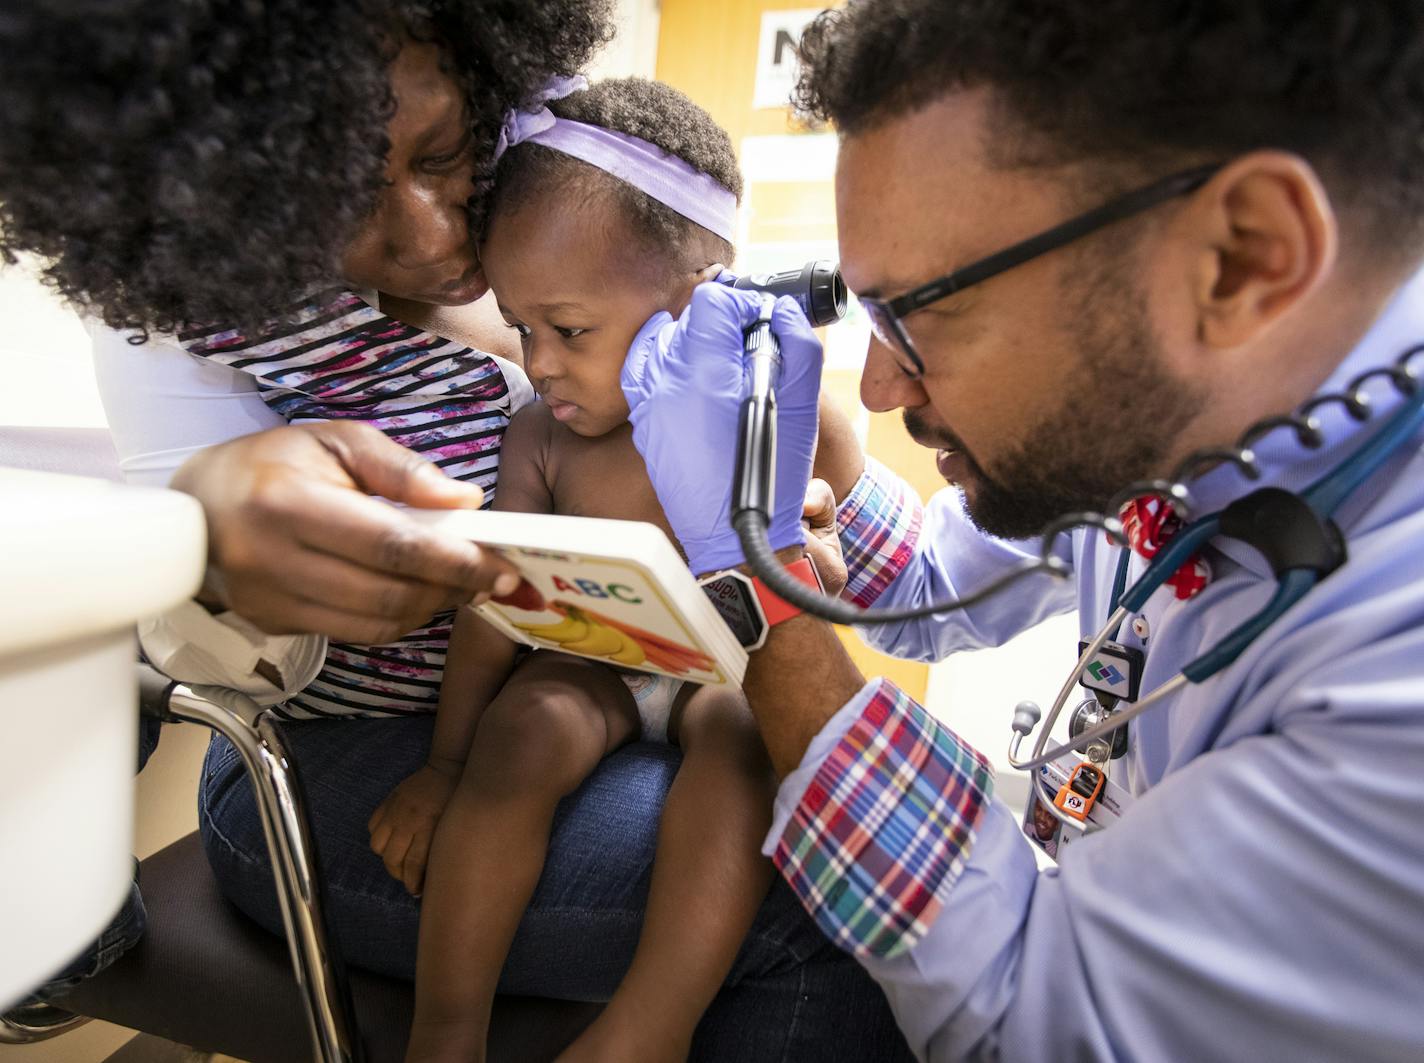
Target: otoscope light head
[817,287]
[829,297]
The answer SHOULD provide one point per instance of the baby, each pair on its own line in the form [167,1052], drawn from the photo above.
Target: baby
[578,260]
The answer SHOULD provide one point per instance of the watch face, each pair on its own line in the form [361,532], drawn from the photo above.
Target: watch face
[737,603]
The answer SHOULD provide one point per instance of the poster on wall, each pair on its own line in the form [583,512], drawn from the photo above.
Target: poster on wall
[788,217]
[777,67]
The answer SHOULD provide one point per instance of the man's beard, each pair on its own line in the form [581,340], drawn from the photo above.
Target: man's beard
[1115,425]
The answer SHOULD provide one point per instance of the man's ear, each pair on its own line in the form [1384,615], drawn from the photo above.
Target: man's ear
[1267,237]
[683,295]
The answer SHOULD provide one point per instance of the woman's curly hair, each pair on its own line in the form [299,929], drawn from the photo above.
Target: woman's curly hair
[204,162]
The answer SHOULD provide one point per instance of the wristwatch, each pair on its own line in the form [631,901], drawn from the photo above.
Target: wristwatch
[749,607]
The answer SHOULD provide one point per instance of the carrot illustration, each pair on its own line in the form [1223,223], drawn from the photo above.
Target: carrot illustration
[665,661]
[647,639]
[658,656]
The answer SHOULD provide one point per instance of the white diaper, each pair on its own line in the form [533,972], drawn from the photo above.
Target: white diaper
[654,695]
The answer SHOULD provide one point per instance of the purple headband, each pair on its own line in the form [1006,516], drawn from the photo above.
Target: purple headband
[668,179]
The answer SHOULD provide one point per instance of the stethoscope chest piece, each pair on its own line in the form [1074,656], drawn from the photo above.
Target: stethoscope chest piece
[1089,713]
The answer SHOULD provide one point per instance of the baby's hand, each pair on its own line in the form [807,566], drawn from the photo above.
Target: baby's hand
[404,823]
[823,544]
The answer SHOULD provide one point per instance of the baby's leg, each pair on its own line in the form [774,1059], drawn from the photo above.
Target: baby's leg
[555,719]
[708,882]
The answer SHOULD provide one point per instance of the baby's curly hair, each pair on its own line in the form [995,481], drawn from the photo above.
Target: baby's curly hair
[651,111]
[1132,88]
[204,163]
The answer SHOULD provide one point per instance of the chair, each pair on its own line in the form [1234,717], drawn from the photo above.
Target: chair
[204,975]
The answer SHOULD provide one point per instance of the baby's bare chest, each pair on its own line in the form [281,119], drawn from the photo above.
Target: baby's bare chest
[602,477]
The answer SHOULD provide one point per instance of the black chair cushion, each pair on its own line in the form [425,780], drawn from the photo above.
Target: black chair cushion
[205,976]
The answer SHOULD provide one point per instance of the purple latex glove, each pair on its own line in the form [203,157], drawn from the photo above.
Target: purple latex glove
[684,385]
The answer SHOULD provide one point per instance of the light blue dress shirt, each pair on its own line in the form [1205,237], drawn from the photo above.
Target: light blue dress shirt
[1263,896]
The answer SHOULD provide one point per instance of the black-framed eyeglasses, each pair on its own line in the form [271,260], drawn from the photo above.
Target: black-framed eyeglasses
[886,315]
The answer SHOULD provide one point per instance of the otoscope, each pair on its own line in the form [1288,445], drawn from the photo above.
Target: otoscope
[819,290]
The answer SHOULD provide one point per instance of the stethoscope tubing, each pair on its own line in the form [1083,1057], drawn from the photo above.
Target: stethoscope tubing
[1324,497]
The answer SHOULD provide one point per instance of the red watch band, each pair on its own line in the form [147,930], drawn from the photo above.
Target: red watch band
[779,609]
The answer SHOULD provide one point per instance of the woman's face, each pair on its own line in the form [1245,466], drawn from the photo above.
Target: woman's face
[416,242]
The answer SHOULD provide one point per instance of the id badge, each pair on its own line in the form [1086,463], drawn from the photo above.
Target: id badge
[1115,670]
[1049,833]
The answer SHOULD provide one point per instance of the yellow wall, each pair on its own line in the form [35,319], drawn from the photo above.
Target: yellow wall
[709,51]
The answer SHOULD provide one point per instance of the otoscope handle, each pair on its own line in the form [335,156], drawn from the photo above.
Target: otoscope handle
[821,294]
[754,479]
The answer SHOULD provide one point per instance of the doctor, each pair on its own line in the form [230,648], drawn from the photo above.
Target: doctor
[1261,895]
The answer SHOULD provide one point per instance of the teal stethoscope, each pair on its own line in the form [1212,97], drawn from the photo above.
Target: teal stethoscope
[1294,532]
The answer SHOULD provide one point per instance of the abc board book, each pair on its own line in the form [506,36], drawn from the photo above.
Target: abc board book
[611,590]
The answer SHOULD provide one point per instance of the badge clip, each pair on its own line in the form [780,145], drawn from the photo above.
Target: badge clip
[1115,670]
[1076,796]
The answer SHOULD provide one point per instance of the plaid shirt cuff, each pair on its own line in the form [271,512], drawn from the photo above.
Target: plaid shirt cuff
[884,823]
[879,525]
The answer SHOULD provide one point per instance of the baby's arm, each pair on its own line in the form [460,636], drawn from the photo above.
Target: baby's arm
[838,464]
[839,460]
[478,662]
[480,656]
[523,485]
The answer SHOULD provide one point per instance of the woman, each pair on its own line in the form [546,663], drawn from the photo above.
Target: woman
[202,168]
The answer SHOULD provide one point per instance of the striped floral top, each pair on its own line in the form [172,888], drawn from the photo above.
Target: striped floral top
[338,358]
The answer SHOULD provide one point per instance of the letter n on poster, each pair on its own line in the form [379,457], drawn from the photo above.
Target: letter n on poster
[776,55]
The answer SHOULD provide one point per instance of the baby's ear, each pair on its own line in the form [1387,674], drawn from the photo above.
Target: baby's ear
[702,276]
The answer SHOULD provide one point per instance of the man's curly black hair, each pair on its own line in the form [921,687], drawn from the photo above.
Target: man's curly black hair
[204,162]
[1142,87]
[650,111]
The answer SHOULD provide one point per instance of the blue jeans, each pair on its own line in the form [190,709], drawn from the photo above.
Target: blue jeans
[791,995]
[127,926]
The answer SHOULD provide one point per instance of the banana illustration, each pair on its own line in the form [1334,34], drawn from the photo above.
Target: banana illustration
[569,629]
[600,641]
[630,654]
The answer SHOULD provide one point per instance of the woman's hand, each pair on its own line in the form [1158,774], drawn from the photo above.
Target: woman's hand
[404,823]
[823,543]
[295,544]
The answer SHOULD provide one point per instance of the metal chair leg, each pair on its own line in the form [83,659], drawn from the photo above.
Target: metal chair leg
[318,967]
[37,1022]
